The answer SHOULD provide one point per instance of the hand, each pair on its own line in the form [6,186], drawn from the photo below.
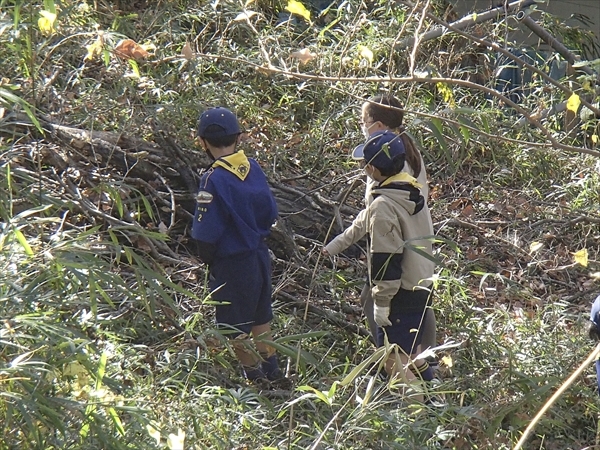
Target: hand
[382,314]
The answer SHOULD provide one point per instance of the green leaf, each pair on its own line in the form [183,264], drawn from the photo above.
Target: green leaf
[319,394]
[135,68]
[435,125]
[116,420]
[23,241]
[299,337]
[377,356]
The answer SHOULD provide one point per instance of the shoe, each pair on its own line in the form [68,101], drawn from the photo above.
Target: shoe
[282,383]
[279,380]
[432,398]
[262,384]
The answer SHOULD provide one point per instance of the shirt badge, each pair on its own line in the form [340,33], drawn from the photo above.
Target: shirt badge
[204,197]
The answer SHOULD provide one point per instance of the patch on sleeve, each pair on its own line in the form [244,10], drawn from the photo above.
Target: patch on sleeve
[204,197]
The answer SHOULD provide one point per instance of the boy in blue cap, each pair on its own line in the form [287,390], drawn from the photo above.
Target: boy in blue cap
[594,332]
[234,214]
[401,277]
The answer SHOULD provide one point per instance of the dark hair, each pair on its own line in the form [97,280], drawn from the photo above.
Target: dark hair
[388,110]
[396,167]
[220,141]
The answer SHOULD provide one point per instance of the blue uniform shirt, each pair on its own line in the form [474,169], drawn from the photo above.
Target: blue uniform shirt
[235,207]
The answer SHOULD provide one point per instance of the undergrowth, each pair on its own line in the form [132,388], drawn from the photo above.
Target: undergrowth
[103,347]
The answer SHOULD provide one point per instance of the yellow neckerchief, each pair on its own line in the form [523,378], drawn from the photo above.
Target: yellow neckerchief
[237,163]
[401,177]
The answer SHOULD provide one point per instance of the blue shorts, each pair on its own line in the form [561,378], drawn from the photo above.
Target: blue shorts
[407,326]
[244,282]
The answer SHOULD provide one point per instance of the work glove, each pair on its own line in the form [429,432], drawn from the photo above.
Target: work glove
[382,314]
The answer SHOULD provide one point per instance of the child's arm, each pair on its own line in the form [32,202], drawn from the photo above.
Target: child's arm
[209,221]
[350,236]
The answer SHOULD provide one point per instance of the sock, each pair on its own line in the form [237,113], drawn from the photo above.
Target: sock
[270,367]
[253,373]
[423,371]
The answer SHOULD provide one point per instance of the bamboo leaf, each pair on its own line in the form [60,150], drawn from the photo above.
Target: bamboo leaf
[23,241]
[117,421]
[377,356]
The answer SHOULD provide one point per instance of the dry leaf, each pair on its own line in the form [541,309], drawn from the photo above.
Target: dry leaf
[176,441]
[534,247]
[468,211]
[303,55]
[154,433]
[187,52]
[244,16]
[129,49]
[163,228]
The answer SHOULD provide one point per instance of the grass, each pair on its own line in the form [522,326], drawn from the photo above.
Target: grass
[103,347]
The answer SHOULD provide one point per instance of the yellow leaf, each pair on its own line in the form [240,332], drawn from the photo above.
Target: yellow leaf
[365,52]
[95,48]
[534,247]
[446,92]
[447,361]
[296,7]
[154,433]
[581,257]
[595,138]
[303,55]
[46,22]
[573,103]
[175,441]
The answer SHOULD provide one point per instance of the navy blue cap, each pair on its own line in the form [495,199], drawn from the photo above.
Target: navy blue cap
[222,117]
[380,149]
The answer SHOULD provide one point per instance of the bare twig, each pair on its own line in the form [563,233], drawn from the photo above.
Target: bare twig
[591,357]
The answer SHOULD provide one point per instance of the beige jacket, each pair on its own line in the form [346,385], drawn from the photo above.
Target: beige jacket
[400,229]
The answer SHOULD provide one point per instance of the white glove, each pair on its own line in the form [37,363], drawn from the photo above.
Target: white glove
[382,314]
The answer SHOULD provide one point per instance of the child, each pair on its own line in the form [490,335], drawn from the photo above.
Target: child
[594,332]
[383,113]
[234,214]
[396,219]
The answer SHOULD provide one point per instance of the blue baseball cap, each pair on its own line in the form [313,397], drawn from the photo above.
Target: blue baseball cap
[380,149]
[223,118]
